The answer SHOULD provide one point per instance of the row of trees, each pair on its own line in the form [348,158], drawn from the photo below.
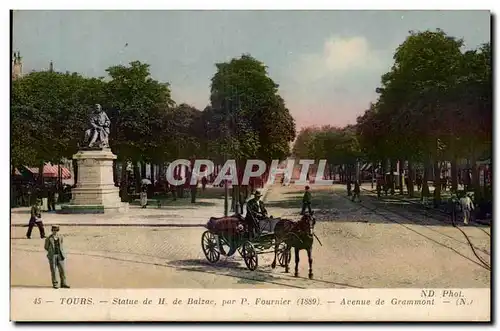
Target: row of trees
[338,146]
[434,105]
[246,117]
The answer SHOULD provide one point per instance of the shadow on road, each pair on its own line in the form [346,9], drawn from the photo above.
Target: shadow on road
[30,286]
[237,270]
[229,268]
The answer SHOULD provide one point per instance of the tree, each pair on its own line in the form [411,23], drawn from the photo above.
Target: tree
[49,114]
[426,100]
[252,118]
[142,103]
[303,142]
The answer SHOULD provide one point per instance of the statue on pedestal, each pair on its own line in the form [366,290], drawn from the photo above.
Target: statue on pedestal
[97,135]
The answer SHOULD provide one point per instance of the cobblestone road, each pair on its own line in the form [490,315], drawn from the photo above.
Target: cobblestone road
[360,248]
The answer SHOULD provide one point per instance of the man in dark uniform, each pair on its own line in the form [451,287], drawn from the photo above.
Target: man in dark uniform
[356,191]
[255,211]
[55,254]
[36,219]
[306,201]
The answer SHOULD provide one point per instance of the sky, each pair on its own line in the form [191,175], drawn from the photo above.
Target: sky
[327,63]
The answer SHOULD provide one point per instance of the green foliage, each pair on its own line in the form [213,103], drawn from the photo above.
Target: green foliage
[337,145]
[247,116]
[142,103]
[435,103]
[48,115]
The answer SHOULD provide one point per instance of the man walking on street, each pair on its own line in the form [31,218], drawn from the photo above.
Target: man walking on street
[56,256]
[467,206]
[379,187]
[36,219]
[306,201]
[356,191]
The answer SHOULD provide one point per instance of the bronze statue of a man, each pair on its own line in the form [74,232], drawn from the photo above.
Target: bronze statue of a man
[97,135]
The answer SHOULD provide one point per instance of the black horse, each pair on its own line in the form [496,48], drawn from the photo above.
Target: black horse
[299,235]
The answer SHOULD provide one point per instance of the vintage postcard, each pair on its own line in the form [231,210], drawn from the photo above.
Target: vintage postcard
[251,165]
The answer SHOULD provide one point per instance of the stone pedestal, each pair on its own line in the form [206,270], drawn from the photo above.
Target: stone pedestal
[95,191]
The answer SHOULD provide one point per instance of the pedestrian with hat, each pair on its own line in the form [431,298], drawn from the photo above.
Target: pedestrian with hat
[306,201]
[467,206]
[55,253]
[36,219]
[357,191]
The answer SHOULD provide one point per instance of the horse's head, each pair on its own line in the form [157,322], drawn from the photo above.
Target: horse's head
[308,221]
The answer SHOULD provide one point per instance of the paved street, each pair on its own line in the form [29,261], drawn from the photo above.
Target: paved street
[360,248]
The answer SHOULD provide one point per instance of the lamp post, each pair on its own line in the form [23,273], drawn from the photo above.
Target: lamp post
[226,190]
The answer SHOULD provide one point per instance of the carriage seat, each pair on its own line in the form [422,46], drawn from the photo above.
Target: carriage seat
[224,223]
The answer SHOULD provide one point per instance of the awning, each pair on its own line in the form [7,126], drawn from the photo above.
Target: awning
[366,167]
[51,171]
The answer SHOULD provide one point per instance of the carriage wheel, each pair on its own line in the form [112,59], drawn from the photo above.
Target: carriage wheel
[250,256]
[210,246]
[283,254]
[224,247]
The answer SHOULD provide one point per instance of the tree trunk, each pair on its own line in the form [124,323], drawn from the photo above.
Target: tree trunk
[137,176]
[161,171]
[194,190]
[124,182]
[437,183]
[475,176]
[411,189]
[392,168]
[180,188]
[143,170]
[115,172]
[454,174]
[152,172]
[13,191]
[75,172]
[425,179]
[401,177]
[40,174]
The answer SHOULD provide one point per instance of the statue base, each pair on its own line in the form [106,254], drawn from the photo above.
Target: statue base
[95,192]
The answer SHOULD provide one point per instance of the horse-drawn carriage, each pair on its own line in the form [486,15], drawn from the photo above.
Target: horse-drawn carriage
[228,235]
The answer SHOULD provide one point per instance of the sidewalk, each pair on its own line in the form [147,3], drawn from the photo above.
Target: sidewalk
[177,214]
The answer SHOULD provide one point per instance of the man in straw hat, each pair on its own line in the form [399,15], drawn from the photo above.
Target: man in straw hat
[255,211]
[55,254]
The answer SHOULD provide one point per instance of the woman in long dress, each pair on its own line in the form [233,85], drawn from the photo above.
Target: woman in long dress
[144,198]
